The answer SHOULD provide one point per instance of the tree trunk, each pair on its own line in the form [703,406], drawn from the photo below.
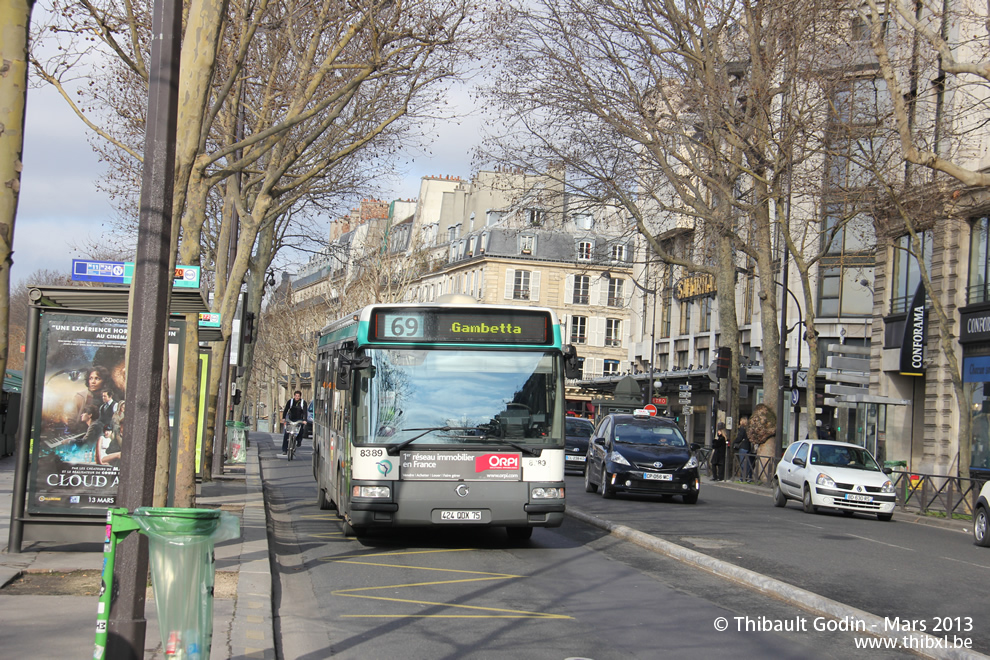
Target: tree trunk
[185,464]
[163,461]
[15,21]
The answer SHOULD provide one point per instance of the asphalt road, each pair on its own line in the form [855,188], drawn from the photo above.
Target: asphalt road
[573,592]
[930,575]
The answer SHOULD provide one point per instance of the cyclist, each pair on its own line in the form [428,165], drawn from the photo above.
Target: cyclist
[295,410]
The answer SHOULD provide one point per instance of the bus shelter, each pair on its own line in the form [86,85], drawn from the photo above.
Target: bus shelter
[73,404]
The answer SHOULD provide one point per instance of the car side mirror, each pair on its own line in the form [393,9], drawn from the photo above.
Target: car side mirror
[888,471]
[799,462]
[572,365]
[695,446]
[599,441]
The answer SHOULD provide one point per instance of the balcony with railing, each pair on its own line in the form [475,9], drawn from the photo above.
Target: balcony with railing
[520,294]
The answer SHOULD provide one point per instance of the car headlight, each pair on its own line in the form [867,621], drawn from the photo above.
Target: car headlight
[887,487]
[691,463]
[825,480]
[616,457]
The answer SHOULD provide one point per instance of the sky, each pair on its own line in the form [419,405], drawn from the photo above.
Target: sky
[60,207]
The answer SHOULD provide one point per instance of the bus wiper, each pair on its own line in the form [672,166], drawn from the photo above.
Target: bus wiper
[393,449]
[526,450]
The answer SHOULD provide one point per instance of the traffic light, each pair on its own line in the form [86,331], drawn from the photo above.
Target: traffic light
[723,361]
[249,327]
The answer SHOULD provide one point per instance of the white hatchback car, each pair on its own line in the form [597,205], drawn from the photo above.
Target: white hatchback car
[981,525]
[838,475]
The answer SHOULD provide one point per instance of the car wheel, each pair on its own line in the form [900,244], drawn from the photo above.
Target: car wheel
[809,506]
[519,533]
[847,513]
[589,486]
[603,488]
[690,498]
[885,517]
[779,499]
[981,533]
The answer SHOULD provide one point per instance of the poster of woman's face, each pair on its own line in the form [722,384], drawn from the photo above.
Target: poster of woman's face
[81,363]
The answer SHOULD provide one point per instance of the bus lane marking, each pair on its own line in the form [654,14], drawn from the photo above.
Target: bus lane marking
[478,610]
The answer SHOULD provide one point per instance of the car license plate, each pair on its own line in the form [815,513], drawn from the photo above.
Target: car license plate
[579,459]
[461,516]
[859,498]
[657,476]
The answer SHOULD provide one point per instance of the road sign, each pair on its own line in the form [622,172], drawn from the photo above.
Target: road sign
[660,400]
[795,397]
[684,397]
[688,410]
[650,408]
[122,272]
[684,388]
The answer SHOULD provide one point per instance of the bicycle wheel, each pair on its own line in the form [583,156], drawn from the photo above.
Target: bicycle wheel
[292,447]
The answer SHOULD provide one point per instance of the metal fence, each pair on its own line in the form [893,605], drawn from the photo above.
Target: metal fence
[916,492]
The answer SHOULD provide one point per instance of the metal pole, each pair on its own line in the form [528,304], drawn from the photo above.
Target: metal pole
[149,326]
[778,438]
[797,406]
[16,535]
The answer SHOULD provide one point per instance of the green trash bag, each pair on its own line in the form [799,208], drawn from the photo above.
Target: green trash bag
[182,570]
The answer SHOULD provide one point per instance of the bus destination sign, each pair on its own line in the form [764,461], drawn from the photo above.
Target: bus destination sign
[460,327]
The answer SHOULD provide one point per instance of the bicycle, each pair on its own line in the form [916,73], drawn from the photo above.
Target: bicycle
[294,429]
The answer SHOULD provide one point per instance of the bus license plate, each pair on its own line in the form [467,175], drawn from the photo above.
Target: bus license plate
[656,476]
[459,516]
[859,498]
[580,459]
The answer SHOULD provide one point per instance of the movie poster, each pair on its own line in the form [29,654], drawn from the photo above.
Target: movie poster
[80,406]
[78,432]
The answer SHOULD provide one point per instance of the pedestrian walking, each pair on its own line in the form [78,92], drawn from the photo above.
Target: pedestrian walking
[720,445]
[742,447]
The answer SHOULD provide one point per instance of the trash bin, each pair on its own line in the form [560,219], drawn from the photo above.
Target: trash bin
[236,442]
[181,555]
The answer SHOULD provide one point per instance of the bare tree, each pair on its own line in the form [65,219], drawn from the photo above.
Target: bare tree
[15,17]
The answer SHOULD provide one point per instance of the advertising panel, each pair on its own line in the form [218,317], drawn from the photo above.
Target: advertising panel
[78,430]
[460,466]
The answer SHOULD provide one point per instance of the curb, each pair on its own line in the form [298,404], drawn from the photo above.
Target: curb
[788,593]
[252,628]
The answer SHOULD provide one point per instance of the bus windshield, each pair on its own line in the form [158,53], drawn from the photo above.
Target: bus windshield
[428,397]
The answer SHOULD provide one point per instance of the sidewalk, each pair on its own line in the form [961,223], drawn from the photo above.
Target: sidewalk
[62,626]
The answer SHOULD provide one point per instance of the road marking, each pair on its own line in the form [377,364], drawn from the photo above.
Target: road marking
[880,542]
[966,562]
[477,576]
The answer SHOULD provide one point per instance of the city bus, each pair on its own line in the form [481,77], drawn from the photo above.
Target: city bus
[436,414]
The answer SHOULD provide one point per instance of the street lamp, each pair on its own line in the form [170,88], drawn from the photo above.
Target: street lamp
[784,332]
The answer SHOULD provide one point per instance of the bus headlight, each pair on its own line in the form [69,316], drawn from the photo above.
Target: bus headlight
[542,493]
[377,492]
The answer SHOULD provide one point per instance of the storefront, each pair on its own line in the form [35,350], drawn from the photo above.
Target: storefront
[974,336]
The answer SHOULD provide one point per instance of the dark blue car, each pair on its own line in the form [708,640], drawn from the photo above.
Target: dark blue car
[641,454]
[577,432]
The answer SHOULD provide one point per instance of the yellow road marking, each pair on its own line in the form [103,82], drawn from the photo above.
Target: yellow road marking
[481,576]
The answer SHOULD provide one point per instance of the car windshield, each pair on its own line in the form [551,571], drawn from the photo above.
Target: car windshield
[577,428]
[432,397]
[847,457]
[646,433]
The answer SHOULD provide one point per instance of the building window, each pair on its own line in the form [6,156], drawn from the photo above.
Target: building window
[907,272]
[847,263]
[748,299]
[535,217]
[583,221]
[663,362]
[579,329]
[706,314]
[685,328]
[702,358]
[611,368]
[613,329]
[618,252]
[582,284]
[585,249]
[527,244]
[682,360]
[471,244]
[979,262]
[615,298]
[668,300]
[520,286]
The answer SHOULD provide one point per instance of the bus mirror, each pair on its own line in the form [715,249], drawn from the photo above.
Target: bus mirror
[572,365]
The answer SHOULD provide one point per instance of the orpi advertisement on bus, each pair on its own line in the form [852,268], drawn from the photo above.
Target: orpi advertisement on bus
[461,466]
